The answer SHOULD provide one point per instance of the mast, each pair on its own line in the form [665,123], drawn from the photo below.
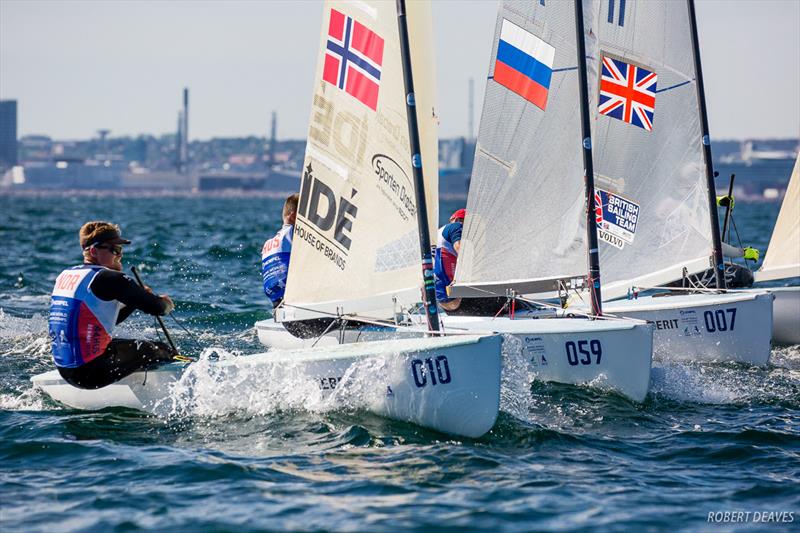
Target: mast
[719,267]
[728,208]
[431,309]
[586,132]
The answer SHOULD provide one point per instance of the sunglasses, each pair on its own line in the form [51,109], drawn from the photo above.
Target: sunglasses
[115,249]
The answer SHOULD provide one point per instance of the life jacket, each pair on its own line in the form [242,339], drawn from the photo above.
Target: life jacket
[275,263]
[81,324]
[444,261]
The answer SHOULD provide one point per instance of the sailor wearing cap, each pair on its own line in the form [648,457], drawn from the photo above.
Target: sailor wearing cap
[448,243]
[88,301]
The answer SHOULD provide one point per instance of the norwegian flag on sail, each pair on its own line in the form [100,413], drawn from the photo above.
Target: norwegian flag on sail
[628,93]
[353,59]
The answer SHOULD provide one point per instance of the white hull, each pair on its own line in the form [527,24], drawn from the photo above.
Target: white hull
[448,384]
[785,314]
[559,350]
[734,326]
[272,335]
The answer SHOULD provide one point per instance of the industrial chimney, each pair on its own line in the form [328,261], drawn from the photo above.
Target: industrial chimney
[184,138]
[273,141]
[471,110]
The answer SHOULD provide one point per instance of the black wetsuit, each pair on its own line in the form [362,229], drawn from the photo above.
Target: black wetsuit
[122,356]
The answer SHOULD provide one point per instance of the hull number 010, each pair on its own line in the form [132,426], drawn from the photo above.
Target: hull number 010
[433,370]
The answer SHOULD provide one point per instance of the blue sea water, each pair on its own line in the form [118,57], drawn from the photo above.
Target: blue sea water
[709,439]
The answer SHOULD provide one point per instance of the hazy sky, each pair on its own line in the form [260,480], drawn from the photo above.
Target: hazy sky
[77,66]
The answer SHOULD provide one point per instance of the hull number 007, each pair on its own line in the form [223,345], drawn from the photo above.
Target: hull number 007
[435,370]
[720,320]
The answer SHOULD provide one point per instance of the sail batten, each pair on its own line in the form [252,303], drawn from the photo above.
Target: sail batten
[540,288]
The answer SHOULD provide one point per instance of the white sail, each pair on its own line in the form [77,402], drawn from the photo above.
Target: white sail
[525,224]
[783,254]
[648,159]
[356,242]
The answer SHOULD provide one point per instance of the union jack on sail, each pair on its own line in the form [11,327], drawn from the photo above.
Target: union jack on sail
[598,209]
[627,93]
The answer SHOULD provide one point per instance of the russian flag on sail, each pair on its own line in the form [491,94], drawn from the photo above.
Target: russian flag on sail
[353,58]
[524,64]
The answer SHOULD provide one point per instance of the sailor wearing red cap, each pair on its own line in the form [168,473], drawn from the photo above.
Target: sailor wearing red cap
[448,244]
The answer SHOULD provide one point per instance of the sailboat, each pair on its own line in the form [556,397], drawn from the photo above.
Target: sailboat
[782,262]
[361,231]
[655,199]
[505,214]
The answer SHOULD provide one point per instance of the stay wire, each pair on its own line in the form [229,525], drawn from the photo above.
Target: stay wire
[330,326]
[739,241]
[546,305]
[185,329]
[352,317]
[156,327]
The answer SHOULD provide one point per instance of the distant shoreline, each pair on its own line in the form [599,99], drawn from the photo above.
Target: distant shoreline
[118,193]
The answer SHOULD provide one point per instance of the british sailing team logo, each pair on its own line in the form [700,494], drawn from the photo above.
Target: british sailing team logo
[616,218]
[333,216]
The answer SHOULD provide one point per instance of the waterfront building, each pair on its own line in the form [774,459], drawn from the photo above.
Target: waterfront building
[8,133]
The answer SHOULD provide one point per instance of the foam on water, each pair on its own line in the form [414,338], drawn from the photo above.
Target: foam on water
[208,388]
[12,327]
[692,382]
[221,383]
[25,350]
[567,457]
[515,391]
[31,399]
[729,383]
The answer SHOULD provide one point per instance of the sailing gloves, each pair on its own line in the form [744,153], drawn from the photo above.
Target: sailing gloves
[169,306]
[724,201]
[751,254]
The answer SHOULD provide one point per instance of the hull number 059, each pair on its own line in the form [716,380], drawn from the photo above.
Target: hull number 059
[581,352]
[433,369]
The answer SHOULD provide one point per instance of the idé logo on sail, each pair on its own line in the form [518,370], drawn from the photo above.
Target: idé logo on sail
[333,213]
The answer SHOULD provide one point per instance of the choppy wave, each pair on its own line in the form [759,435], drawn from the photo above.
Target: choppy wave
[252,454]
[208,388]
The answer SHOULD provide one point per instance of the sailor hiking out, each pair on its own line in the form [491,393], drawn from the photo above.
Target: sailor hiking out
[88,301]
